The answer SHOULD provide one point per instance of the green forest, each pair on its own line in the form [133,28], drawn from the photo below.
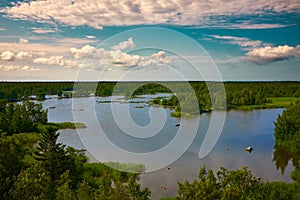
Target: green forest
[33,165]
[239,95]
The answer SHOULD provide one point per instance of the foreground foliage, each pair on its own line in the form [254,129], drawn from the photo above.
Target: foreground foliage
[34,166]
[236,184]
[54,171]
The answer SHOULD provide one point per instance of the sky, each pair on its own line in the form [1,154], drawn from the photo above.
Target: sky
[232,40]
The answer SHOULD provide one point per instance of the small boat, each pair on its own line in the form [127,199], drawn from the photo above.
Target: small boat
[177,125]
[249,149]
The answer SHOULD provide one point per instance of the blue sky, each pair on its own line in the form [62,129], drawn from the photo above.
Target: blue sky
[147,40]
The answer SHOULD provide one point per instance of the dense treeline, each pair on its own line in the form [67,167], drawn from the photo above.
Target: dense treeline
[246,93]
[287,138]
[241,95]
[12,91]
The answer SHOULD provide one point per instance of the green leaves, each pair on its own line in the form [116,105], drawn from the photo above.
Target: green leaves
[235,184]
[21,118]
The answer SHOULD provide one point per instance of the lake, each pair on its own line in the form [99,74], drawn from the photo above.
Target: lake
[241,129]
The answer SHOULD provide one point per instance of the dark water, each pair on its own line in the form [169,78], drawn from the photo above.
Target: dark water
[241,129]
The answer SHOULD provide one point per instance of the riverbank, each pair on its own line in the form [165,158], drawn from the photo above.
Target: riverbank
[276,102]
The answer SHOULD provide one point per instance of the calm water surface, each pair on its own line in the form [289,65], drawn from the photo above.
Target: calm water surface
[241,129]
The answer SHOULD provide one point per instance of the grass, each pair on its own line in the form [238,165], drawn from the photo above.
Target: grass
[68,125]
[276,102]
[42,128]
[127,167]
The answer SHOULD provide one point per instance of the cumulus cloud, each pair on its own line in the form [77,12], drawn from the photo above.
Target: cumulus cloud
[23,55]
[268,54]
[7,55]
[117,57]
[89,51]
[58,60]
[10,56]
[124,45]
[2,29]
[160,58]
[126,12]
[87,56]
[126,60]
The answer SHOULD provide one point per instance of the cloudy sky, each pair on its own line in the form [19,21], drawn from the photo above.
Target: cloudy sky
[157,39]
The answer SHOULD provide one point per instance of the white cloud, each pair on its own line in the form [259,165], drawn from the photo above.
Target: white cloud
[18,67]
[117,57]
[258,26]
[124,45]
[268,54]
[126,60]
[29,69]
[2,29]
[58,60]
[90,37]
[243,42]
[23,55]
[7,55]
[89,51]
[42,31]
[160,58]
[8,67]
[126,12]
[87,56]
[23,41]
[74,41]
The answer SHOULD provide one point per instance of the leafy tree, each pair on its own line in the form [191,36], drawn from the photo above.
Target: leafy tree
[12,152]
[287,127]
[85,191]
[63,189]
[236,184]
[32,183]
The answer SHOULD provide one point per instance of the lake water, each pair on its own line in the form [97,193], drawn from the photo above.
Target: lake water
[241,129]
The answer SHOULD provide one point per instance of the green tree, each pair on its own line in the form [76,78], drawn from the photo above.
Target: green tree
[12,152]
[206,188]
[32,183]
[52,156]
[287,127]
[236,184]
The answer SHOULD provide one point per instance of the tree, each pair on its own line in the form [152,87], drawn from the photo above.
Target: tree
[206,188]
[52,156]
[287,128]
[236,184]
[32,183]
[12,152]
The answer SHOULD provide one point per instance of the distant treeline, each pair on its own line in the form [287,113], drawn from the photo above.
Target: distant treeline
[237,93]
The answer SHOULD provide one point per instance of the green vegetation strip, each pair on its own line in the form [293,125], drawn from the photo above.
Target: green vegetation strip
[275,102]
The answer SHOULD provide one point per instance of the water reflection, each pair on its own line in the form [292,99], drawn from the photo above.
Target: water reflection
[283,155]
